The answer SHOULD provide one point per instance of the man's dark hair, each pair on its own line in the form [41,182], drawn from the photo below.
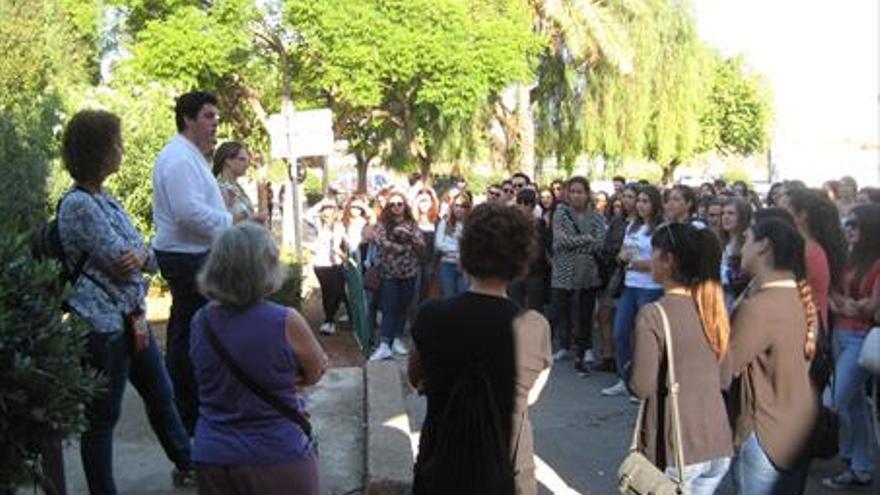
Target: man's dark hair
[521,175]
[527,197]
[498,242]
[619,178]
[87,142]
[189,105]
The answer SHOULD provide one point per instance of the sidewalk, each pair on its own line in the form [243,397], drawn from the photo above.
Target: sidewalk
[140,466]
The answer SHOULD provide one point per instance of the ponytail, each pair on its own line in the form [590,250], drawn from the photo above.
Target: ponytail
[708,293]
[698,258]
[806,294]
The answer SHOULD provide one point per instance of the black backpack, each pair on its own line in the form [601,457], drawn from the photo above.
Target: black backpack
[470,457]
[46,245]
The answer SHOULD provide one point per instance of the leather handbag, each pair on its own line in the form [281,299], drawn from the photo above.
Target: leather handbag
[637,475]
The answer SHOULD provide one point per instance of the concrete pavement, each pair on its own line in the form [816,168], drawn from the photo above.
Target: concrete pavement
[141,468]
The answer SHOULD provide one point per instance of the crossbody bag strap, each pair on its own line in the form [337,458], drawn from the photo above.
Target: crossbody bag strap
[257,389]
[673,394]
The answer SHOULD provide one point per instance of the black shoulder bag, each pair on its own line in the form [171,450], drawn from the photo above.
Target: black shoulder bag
[257,389]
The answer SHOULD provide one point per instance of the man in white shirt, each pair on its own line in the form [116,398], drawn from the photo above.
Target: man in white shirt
[188,212]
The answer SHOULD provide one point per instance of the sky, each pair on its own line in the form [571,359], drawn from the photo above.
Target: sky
[822,60]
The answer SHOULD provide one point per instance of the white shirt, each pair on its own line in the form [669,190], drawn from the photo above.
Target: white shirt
[188,209]
[447,243]
[639,243]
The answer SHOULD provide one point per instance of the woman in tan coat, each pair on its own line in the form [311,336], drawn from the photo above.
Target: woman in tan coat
[685,262]
[773,339]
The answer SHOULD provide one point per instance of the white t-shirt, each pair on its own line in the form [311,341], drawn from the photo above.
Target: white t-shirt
[639,242]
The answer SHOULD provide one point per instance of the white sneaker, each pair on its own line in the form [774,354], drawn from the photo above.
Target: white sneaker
[618,388]
[399,348]
[381,353]
[634,400]
[327,328]
[343,317]
[589,358]
[562,355]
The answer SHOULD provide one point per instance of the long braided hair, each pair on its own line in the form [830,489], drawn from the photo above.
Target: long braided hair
[788,249]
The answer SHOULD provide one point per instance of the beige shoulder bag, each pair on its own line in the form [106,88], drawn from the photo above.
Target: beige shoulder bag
[637,475]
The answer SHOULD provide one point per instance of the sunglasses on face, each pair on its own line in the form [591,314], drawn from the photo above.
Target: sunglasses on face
[519,185]
[394,204]
[851,224]
[508,190]
[494,194]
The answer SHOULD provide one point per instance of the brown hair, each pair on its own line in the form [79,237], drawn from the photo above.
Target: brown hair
[87,142]
[386,217]
[433,212]
[451,218]
[224,152]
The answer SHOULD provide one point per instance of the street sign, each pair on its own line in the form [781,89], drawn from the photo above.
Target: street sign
[311,134]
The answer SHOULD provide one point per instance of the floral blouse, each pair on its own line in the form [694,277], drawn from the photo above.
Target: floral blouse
[96,224]
[236,199]
[399,250]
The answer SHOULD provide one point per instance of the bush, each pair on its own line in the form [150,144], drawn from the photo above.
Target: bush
[43,383]
[290,293]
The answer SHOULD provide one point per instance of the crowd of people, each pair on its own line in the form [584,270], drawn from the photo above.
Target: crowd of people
[766,300]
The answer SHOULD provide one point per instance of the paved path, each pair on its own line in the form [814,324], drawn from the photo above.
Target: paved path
[581,436]
[141,468]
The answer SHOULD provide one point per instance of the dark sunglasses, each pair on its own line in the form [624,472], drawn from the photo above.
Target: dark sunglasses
[519,185]
[395,203]
[508,189]
[851,224]
[494,194]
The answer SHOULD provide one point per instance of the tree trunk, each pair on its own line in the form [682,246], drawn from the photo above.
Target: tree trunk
[526,122]
[361,165]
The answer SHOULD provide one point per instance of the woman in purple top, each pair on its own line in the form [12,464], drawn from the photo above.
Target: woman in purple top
[242,444]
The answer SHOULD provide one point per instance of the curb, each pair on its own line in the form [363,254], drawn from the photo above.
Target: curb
[389,451]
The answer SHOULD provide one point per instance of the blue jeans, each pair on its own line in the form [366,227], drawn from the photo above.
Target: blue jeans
[755,474]
[394,298]
[179,270]
[112,355]
[453,281]
[850,401]
[702,478]
[631,300]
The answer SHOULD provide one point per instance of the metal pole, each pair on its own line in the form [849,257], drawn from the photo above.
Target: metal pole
[293,173]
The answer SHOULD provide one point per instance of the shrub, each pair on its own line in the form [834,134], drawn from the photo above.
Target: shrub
[290,293]
[43,384]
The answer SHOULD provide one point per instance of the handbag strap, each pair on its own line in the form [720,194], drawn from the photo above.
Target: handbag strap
[257,389]
[673,391]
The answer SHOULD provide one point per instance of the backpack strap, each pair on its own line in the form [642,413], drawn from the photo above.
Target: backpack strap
[265,395]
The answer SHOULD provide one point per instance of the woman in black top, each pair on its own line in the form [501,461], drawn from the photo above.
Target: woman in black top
[481,361]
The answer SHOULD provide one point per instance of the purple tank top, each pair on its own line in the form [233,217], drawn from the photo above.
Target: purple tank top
[235,427]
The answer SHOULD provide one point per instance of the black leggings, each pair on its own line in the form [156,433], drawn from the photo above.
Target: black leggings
[561,311]
[332,283]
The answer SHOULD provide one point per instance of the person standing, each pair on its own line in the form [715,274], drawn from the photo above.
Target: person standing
[399,241]
[231,161]
[736,216]
[639,287]
[453,280]
[685,261]
[773,405]
[328,260]
[578,236]
[109,295]
[490,381]
[528,291]
[243,445]
[855,302]
[188,212]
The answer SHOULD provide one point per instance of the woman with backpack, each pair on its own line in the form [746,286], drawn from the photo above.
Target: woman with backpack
[685,262]
[481,361]
[109,295]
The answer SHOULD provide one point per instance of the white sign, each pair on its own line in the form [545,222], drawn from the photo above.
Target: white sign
[311,133]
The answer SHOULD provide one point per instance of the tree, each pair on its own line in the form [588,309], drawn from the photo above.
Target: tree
[737,114]
[420,69]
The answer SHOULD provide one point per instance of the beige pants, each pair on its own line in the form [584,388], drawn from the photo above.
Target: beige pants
[525,481]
